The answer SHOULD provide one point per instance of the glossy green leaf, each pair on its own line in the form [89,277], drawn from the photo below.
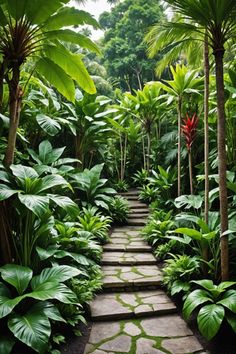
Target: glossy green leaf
[67,35]
[6,192]
[53,274]
[70,16]
[65,203]
[79,258]
[39,11]
[196,235]
[23,172]
[17,275]
[193,300]
[53,290]
[231,319]
[50,310]
[229,300]
[6,344]
[32,328]
[49,125]
[209,320]
[72,65]
[36,203]
[7,304]
[51,181]
[56,76]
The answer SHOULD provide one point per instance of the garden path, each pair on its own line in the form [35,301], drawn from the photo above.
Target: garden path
[133,314]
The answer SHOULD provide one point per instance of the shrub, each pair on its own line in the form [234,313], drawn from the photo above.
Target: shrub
[119,209]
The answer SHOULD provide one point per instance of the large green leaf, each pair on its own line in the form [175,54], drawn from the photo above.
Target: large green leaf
[49,125]
[70,16]
[65,203]
[229,300]
[23,172]
[6,344]
[39,11]
[53,290]
[51,181]
[47,154]
[189,201]
[67,35]
[193,300]
[6,192]
[33,329]
[53,274]
[7,304]
[190,232]
[50,310]
[72,65]
[55,75]
[17,275]
[231,319]
[36,203]
[79,258]
[209,320]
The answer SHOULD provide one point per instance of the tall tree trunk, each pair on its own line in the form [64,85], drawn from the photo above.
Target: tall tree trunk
[206,126]
[179,144]
[15,97]
[190,166]
[148,150]
[219,54]
[144,153]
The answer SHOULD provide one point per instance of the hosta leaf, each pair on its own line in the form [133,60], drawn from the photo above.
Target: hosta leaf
[57,77]
[193,300]
[53,290]
[23,172]
[209,320]
[6,344]
[79,258]
[33,329]
[231,319]
[50,310]
[6,192]
[65,203]
[51,181]
[54,274]
[49,125]
[36,203]
[229,300]
[16,275]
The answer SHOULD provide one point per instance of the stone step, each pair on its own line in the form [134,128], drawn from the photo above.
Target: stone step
[128,258]
[127,241]
[137,205]
[131,192]
[155,335]
[138,222]
[119,306]
[125,277]
[129,248]
[132,197]
[138,215]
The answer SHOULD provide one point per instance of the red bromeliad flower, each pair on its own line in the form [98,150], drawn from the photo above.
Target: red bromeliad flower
[189,129]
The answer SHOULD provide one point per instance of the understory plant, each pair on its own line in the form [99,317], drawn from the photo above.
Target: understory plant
[28,304]
[214,304]
[119,209]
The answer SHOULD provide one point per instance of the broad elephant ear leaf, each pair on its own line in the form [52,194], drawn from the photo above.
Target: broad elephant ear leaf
[36,203]
[193,300]
[54,274]
[32,328]
[50,310]
[209,320]
[48,124]
[17,275]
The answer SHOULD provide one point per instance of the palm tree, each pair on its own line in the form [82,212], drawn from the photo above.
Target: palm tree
[218,18]
[33,30]
[178,39]
[184,81]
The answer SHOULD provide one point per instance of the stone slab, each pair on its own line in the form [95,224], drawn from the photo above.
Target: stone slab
[131,304]
[129,258]
[183,345]
[129,248]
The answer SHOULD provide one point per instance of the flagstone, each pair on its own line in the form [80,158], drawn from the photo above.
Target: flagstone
[165,326]
[121,344]
[102,331]
[145,346]
[131,329]
[182,345]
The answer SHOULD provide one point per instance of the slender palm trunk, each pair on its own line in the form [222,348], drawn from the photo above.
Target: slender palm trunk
[206,126]
[148,150]
[15,97]
[221,135]
[190,165]
[179,144]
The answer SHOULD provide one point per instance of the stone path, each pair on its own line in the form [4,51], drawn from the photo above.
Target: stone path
[133,314]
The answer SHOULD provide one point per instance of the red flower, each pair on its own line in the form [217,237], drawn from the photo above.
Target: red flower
[189,129]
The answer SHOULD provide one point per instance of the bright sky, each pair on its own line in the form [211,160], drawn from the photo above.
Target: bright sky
[95,8]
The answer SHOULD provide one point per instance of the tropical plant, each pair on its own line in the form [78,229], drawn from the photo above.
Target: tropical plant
[121,186]
[119,209]
[214,303]
[30,32]
[148,194]
[178,272]
[220,26]
[94,222]
[92,188]
[30,322]
[189,129]
[34,200]
[140,178]
[163,180]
